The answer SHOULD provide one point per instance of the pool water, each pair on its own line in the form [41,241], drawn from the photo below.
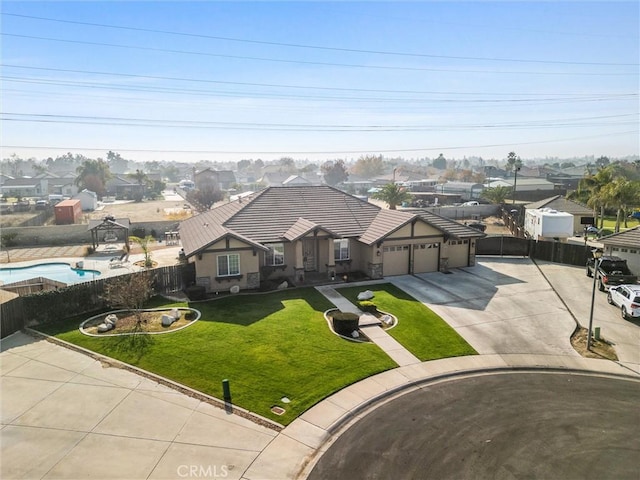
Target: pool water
[62,272]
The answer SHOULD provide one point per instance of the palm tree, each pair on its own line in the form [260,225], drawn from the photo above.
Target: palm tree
[145,244]
[497,194]
[393,195]
[622,194]
[142,179]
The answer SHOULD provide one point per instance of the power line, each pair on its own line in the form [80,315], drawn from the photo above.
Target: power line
[333,152]
[146,122]
[307,62]
[287,86]
[316,47]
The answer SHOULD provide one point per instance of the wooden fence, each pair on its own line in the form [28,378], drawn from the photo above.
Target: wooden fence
[48,306]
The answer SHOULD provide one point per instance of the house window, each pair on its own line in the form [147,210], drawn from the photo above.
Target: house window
[341,249]
[228,265]
[275,255]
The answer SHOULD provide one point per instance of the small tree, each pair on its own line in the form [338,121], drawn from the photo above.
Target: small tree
[129,292]
[145,244]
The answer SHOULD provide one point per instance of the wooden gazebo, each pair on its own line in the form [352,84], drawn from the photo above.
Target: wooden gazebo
[109,230]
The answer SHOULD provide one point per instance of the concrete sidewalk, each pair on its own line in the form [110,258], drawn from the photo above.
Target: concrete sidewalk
[375,333]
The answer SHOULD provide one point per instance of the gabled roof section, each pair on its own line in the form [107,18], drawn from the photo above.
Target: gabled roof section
[273,211]
[385,223]
[302,227]
[197,237]
[560,203]
[450,227]
[629,238]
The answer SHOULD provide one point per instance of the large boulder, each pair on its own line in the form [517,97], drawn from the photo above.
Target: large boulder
[366,295]
[283,285]
[104,327]
[167,320]
[235,289]
[111,319]
[175,313]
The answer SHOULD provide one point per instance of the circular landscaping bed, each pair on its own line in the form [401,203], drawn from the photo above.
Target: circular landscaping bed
[140,322]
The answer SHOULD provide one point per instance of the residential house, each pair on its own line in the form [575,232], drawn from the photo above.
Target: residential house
[319,231]
[625,245]
[274,179]
[561,204]
[295,180]
[527,189]
[123,187]
[466,190]
[223,178]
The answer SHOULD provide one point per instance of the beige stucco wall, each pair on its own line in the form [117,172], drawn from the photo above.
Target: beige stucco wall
[207,265]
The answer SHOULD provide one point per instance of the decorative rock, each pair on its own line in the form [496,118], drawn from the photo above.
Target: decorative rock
[355,334]
[104,327]
[366,295]
[111,319]
[387,319]
[175,313]
[283,285]
[167,320]
[235,289]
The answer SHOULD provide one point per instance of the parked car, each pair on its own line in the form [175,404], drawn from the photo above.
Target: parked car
[635,215]
[627,297]
[477,225]
[470,204]
[42,205]
[592,229]
[611,271]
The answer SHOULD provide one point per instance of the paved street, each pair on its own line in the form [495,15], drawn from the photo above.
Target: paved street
[524,425]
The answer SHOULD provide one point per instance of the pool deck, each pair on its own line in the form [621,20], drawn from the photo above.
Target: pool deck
[25,257]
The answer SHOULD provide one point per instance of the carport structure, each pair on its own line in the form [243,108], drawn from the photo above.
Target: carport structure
[107,229]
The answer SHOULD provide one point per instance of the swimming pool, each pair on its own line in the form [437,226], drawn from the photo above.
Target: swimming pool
[62,272]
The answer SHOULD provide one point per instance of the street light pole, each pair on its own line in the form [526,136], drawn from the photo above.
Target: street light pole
[515,182]
[596,264]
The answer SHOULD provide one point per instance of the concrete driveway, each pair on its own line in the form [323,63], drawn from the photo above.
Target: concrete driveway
[501,305]
[575,288]
[66,415]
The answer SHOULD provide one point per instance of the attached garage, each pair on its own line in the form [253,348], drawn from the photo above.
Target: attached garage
[458,251]
[425,257]
[396,260]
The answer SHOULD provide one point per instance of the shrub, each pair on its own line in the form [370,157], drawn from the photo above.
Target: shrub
[196,292]
[344,322]
[368,306]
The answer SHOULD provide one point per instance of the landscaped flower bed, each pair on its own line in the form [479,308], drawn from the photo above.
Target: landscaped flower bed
[148,321]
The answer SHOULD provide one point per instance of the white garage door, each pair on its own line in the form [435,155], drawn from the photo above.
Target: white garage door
[425,257]
[396,260]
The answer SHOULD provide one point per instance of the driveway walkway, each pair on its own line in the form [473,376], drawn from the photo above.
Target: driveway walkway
[502,305]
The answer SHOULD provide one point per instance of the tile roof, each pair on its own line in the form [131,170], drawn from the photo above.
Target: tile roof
[287,213]
[453,228]
[386,222]
[629,238]
[560,203]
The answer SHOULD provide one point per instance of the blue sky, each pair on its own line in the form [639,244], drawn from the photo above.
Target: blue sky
[320,80]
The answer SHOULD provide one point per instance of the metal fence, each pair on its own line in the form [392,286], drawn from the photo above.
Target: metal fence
[557,252]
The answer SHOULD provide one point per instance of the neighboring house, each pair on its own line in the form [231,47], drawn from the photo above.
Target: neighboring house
[295,232]
[274,179]
[527,189]
[62,186]
[624,245]
[25,187]
[125,188]
[295,180]
[223,178]
[88,200]
[561,204]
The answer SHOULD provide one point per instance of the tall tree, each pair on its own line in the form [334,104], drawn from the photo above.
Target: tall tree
[369,166]
[334,172]
[93,175]
[393,195]
[142,180]
[440,163]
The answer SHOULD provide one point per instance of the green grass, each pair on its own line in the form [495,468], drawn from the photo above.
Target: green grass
[419,330]
[267,346]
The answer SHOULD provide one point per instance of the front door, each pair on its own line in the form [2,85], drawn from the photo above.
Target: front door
[309,254]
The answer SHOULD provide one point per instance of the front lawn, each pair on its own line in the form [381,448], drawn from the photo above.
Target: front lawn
[419,330]
[268,346]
